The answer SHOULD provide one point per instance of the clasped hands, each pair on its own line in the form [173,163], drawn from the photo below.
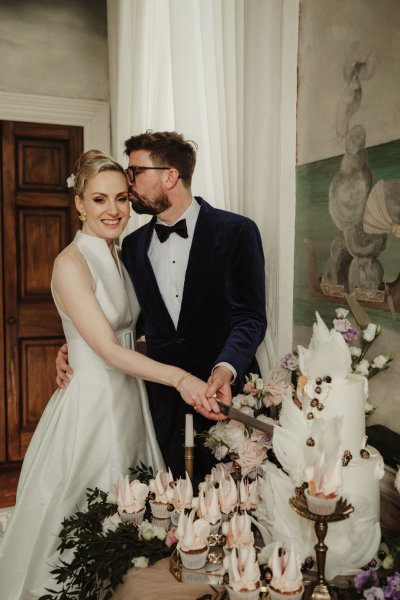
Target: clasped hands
[195,392]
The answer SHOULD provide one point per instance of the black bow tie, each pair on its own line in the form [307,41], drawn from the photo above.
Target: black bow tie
[163,231]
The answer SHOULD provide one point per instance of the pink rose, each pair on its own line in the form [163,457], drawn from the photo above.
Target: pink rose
[220,452]
[171,537]
[275,393]
[251,456]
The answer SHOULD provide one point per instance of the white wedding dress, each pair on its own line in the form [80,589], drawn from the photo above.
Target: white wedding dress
[89,434]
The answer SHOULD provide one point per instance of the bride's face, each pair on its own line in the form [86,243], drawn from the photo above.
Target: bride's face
[105,202]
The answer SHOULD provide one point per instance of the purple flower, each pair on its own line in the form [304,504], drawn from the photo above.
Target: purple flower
[290,361]
[351,334]
[392,590]
[361,579]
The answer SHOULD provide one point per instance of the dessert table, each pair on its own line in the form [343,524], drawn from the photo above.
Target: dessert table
[158,582]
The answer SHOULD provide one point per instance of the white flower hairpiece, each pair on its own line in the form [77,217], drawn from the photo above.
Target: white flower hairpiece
[71,180]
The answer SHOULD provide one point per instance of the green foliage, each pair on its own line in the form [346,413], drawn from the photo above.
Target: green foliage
[142,473]
[99,560]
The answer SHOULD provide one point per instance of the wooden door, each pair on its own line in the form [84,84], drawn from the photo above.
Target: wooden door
[38,221]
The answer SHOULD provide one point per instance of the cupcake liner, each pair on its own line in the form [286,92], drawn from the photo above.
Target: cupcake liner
[195,560]
[320,506]
[163,523]
[135,518]
[160,511]
[275,595]
[236,595]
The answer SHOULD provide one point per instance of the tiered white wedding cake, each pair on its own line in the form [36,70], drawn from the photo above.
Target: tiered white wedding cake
[332,411]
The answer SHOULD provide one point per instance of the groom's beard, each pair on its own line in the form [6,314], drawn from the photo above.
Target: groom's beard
[144,206]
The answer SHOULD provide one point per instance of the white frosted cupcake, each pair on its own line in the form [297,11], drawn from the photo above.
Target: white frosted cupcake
[131,500]
[207,507]
[287,580]
[161,490]
[182,497]
[192,540]
[227,496]
[238,532]
[244,574]
[319,504]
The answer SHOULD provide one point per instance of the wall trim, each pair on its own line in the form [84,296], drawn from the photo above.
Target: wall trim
[92,115]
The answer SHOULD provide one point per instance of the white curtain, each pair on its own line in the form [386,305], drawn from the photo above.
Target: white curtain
[217,71]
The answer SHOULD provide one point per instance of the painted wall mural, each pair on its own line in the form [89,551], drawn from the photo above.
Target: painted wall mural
[348,213]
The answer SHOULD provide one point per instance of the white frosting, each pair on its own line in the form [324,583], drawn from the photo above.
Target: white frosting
[161,487]
[285,567]
[183,494]
[192,535]
[238,531]
[227,495]
[131,497]
[242,568]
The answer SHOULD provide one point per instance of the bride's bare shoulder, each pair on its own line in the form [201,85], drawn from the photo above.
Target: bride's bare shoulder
[70,258]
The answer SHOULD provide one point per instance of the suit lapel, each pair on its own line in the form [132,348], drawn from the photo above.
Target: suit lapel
[199,263]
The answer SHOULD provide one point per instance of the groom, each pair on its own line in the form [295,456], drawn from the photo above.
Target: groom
[199,277]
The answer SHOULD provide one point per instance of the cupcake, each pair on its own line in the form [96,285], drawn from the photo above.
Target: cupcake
[192,540]
[244,574]
[161,490]
[182,497]
[238,532]
[227,496]
[131,499]
[324,483]
[287,581]
[248,495]
[207,508]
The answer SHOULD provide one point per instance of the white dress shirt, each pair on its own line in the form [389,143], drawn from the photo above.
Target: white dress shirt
[169,261]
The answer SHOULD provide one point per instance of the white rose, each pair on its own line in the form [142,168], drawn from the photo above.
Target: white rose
[237,400]
[373,593]
[341,313]
[355,351]
[111,523]
[259,384]
[249,400]
[233,437]
[362,367]
[379,362]
[370,333]
[140,562]
[341,325]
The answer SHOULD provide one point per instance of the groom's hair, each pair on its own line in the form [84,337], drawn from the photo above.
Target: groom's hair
[166,148]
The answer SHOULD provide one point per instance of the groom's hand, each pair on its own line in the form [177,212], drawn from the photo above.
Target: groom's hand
[219,387]
[62,367]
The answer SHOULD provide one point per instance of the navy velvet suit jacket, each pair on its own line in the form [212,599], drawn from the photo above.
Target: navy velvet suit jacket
[222,315]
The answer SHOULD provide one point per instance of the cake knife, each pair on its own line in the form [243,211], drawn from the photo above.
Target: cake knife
[238,415]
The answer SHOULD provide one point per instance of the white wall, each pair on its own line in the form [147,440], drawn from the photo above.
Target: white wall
[54,48]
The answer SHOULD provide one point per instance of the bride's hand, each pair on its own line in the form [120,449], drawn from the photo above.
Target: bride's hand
[193,391]
[62,367]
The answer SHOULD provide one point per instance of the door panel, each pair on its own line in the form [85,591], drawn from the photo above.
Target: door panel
[39,220]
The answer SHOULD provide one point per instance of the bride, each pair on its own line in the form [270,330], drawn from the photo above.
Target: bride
[100,425]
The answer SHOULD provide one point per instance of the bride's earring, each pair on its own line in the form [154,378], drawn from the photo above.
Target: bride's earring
[83,217]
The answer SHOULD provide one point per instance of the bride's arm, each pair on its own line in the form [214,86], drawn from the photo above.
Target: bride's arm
[73,289]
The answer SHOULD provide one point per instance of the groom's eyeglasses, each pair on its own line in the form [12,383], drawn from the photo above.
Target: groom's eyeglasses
[131,172]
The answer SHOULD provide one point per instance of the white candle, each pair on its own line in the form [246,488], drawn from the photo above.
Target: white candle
[189,437]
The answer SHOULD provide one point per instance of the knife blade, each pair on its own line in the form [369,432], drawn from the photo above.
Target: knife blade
[238,415]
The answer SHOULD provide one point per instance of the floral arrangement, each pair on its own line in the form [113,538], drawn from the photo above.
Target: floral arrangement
[371,586]
[359,364]
[234,440]
[105,548]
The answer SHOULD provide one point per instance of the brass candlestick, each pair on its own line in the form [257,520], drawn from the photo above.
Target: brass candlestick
[342,511]
[189,460]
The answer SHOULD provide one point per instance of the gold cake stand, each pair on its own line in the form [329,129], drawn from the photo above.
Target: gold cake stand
[342,511]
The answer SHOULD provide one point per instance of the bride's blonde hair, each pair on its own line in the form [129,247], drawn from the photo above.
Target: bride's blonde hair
[89,164]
